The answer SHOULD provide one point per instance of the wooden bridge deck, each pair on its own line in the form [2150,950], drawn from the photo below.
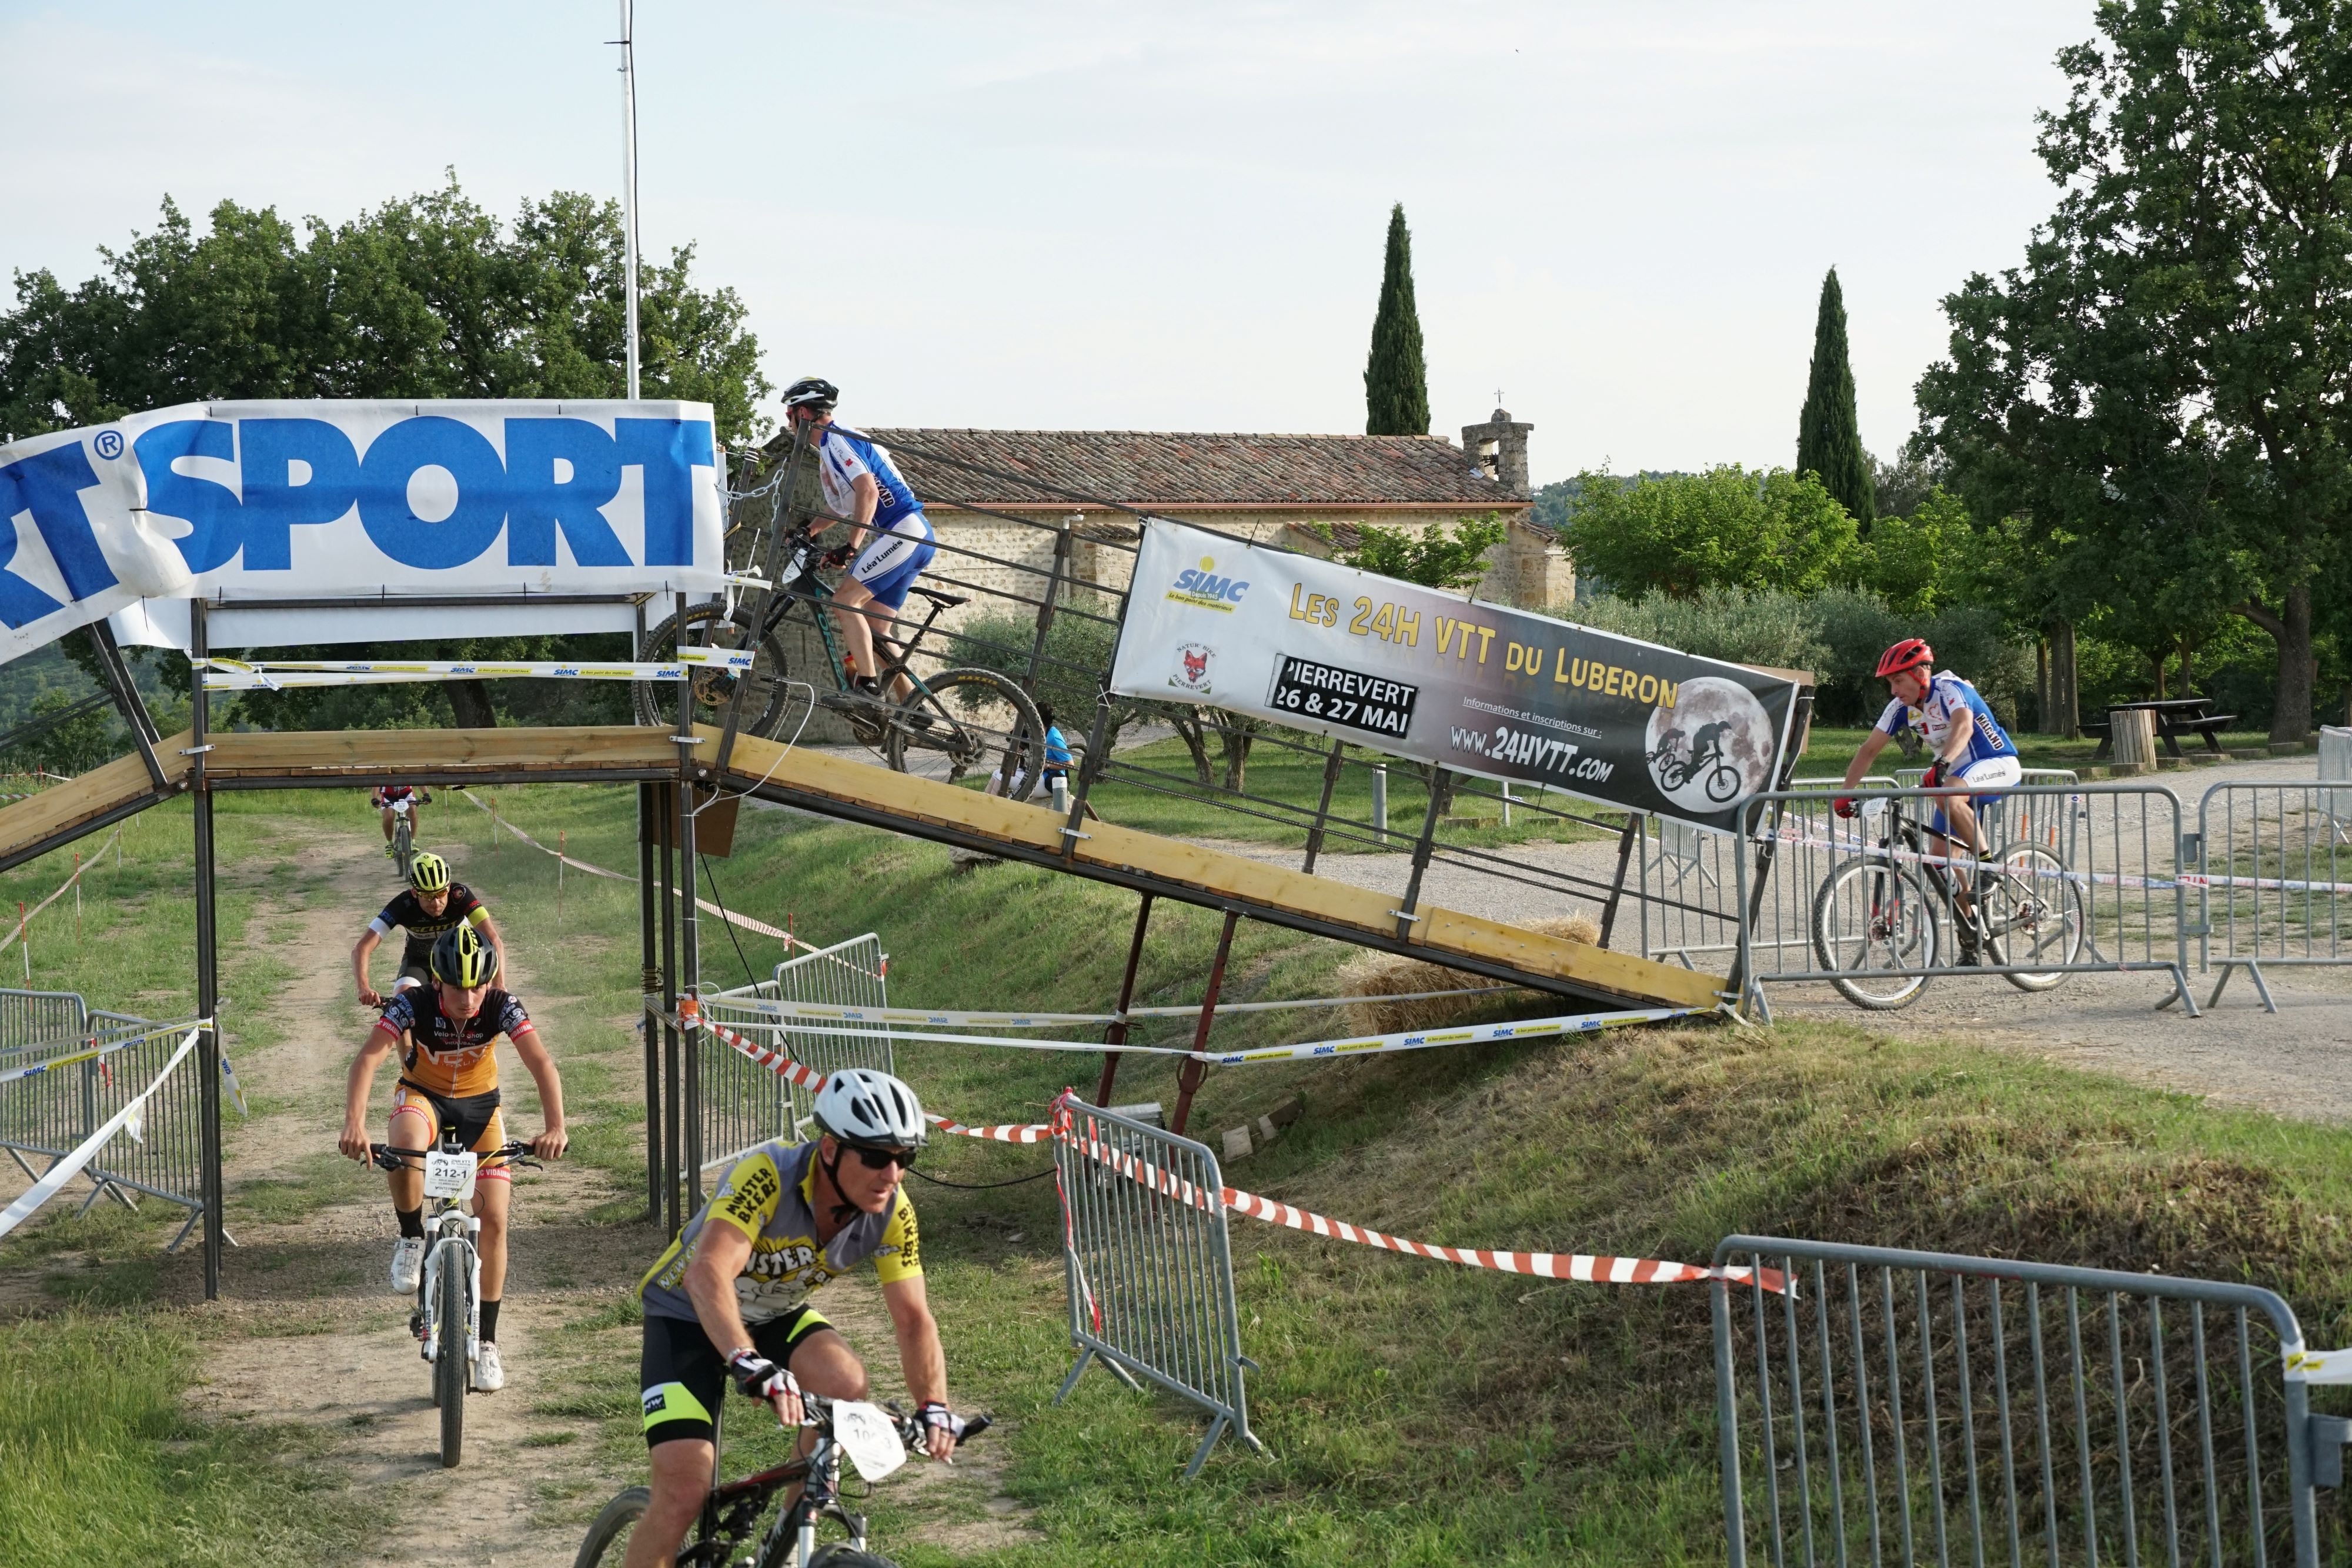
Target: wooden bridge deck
[855,791]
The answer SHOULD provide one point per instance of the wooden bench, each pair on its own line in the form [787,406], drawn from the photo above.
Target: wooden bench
[2175,718]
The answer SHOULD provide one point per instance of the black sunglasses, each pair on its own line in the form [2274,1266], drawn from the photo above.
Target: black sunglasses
[882,1159]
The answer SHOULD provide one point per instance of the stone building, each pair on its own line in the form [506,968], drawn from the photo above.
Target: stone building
[998,500]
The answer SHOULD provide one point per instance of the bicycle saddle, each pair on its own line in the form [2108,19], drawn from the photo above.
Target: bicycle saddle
[944,600]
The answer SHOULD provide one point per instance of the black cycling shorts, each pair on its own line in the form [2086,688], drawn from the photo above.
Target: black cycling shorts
[683,1378]
[473,1117]
[416,964]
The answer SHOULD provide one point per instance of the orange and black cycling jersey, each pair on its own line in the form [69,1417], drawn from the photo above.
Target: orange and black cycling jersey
[444,1056]
[408,913]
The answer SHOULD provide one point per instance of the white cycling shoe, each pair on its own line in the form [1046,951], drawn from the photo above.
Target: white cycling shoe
[407,1265]
[489,1373]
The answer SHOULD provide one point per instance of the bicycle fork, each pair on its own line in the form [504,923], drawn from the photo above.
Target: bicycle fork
[469,1241]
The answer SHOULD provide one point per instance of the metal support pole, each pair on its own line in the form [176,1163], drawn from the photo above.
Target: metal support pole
[208,1052]
[1045,611]
[1332,767]
[1380,802]
[1089,769]
[125,693]
[689,963]
[673,1179]
[1189,1075]
[1420,848]
[1617,885]
[649,981]
[1117,1035]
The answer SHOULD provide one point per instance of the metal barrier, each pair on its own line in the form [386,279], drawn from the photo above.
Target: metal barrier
[46,1115]
[37,1023]
[2274,879]
[2081,879]
[743,1103]
[1923,1407]
[1150,1274]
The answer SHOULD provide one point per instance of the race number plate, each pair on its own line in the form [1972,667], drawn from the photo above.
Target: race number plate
[449,1176]
[868,1436]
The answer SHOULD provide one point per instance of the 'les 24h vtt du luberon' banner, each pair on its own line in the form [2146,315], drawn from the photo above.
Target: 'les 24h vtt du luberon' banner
[1478,688]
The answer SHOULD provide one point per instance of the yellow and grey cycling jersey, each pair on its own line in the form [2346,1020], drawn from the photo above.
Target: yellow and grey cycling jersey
[769,1195]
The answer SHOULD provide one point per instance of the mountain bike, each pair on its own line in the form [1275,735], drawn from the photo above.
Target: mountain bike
[403,829]
[877,1440]
[1877,925]
[447,1320]
[971,720]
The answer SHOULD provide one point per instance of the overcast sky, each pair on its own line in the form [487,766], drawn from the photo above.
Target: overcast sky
[1164,218]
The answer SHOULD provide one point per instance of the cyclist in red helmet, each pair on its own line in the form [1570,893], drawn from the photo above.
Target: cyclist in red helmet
[1968,747]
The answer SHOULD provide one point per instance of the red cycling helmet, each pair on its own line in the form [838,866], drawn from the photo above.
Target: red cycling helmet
[1910,653]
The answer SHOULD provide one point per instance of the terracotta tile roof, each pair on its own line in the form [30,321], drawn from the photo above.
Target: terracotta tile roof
[1147,468]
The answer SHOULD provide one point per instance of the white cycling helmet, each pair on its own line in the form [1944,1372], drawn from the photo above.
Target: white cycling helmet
[859,1105]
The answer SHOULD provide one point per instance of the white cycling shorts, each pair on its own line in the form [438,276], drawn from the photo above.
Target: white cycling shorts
[1993,773]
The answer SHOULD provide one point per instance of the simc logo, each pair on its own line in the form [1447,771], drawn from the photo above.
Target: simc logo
[1202,586]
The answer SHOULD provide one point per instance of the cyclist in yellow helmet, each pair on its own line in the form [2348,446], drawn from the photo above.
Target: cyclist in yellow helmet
[433,906]
[446,1035]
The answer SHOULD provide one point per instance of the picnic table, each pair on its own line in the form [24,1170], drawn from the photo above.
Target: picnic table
[2174,716]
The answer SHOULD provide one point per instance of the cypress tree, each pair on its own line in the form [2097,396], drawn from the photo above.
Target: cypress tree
[1396,385]
[1829,436]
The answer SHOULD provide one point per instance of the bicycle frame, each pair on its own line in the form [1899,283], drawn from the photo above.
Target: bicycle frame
[733,1507]
[462,1238]
[900,659]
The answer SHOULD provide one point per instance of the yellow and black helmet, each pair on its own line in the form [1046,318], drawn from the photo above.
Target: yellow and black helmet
[428,873]
[461,958]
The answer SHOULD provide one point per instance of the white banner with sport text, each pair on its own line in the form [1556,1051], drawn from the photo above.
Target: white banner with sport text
[311,500]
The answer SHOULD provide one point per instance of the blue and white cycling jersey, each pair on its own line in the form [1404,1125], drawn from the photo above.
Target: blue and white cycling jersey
[842,456]
[1948,697]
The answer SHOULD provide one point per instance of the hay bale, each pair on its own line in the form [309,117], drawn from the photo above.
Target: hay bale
[1376,976]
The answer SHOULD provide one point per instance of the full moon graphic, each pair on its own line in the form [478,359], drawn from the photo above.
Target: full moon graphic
[1713,749]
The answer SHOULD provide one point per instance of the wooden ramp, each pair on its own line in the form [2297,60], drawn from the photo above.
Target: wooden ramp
[862,792]
[836,786]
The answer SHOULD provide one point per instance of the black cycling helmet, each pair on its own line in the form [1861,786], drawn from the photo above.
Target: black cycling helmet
[812,392]
[461,958]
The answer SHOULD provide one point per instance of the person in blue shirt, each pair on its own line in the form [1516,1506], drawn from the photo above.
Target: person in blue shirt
[1968,747]
[1057,748]
[888,532]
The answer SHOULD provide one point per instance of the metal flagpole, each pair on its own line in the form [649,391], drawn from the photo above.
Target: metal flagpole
[629,42]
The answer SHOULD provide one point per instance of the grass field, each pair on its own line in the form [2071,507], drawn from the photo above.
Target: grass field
[1414,1413]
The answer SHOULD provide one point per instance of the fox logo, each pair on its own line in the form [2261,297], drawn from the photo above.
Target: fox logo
[1191,672]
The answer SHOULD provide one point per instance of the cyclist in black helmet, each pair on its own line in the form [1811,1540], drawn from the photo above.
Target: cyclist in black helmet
[888,532]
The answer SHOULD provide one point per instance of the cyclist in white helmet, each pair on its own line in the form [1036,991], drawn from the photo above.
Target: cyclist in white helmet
[888,532]
[728,1303]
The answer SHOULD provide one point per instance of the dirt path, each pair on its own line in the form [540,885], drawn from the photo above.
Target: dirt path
[307,1331]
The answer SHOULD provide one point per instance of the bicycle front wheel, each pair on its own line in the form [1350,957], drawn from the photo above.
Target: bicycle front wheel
[607,1540]
[2032,914]
[968,722]
[707,692]
[404,845]
[1870,917]
[449,1378]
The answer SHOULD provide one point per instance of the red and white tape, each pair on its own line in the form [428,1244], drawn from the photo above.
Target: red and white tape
[1590,1267]
[810,1079]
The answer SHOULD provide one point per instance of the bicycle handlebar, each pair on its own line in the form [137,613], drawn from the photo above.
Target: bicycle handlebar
[392,1157]
[912,1431]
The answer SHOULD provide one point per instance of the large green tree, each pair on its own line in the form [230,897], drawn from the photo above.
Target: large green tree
[2178,350]
[1729,527]
[427,296]
[1829,432]
[1396,384]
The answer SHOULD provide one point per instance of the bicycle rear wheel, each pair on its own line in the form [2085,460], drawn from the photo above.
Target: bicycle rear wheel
[1871,916]
[710,626]
[449,1377]
[966,722]
[2032,914]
